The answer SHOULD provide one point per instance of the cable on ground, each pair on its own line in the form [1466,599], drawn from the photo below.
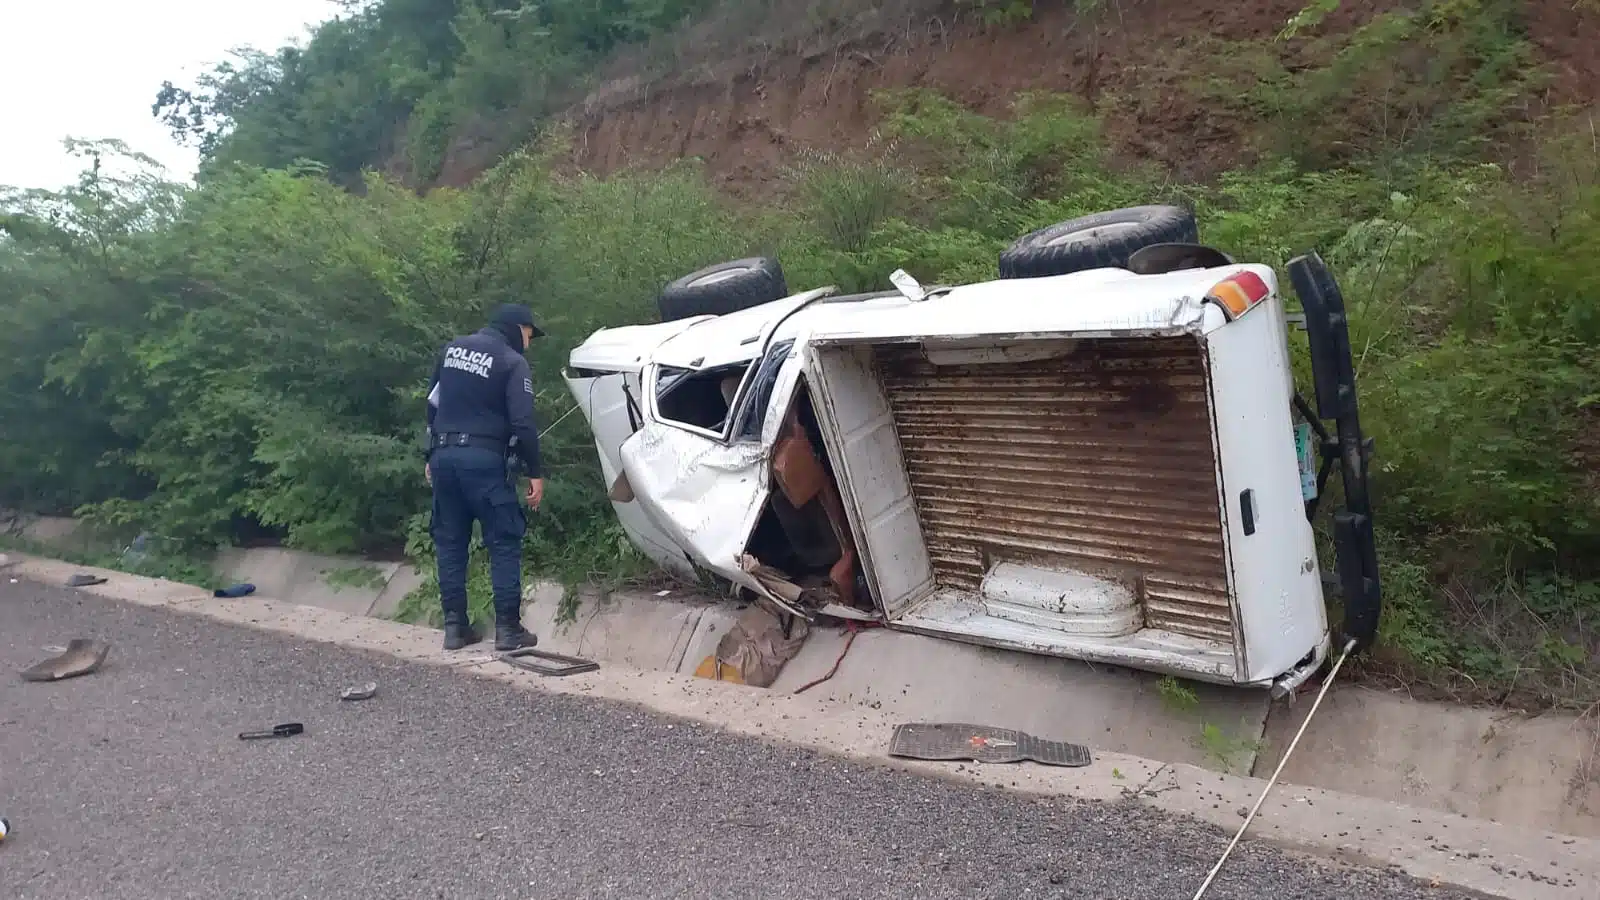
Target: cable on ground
[852,628]
[1326,683]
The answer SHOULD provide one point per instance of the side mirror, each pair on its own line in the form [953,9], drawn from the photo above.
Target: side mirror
[908,287]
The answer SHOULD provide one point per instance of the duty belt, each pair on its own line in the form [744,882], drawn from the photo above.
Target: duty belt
[456,439]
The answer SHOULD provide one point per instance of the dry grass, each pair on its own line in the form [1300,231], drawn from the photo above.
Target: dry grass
[1526,646]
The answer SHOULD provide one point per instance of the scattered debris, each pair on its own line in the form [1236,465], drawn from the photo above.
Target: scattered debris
[83,580]
[80,657]
[755,649]
[981,743]
[564,665]
[362,692]
[288,729]
[237,590]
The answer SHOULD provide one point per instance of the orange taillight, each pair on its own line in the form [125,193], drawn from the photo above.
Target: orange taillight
[1239,293]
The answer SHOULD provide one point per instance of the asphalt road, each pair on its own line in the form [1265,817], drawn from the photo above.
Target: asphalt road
[132,783]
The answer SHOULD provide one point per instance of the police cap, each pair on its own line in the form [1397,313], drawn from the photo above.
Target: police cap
[515,314]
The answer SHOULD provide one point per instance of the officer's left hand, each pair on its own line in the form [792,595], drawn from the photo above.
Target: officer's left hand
[535,492]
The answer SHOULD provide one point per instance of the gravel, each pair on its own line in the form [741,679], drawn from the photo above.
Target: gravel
[132,783]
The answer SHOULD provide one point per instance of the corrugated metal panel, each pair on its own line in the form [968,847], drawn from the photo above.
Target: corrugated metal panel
[1100,461]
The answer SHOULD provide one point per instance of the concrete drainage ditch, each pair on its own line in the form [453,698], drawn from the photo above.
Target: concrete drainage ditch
[926,679]
[1537,772]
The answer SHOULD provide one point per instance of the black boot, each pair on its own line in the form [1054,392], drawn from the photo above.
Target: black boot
[460,634]
[510,636]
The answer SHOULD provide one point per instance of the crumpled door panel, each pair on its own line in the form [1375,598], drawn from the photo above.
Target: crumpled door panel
[703,494]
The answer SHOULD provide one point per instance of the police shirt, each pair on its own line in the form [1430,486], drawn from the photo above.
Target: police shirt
[484,388]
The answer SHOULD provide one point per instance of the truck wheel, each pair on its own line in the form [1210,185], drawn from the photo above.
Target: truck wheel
[723,288]
[1103,240]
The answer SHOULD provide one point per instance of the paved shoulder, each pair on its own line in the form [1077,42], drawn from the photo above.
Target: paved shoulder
[132,782]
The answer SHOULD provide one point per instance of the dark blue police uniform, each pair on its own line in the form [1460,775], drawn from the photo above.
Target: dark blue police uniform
[480,413]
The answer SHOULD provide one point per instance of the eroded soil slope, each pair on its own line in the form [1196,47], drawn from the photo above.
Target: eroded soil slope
[1169,77]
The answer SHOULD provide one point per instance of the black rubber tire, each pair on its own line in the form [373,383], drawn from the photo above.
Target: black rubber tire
[723,288]
[1103,240]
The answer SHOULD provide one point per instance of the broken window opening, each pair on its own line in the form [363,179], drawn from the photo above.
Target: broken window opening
[795,540]
[754,416]
[700,399]
[803,533]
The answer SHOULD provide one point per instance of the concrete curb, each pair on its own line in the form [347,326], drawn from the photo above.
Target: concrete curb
[1498,860]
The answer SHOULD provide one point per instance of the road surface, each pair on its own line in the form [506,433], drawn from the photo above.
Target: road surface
[132,783]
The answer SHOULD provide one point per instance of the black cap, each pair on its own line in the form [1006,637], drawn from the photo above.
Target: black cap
[515,314]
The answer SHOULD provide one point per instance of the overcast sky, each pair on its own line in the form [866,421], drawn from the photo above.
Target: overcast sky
[91,68]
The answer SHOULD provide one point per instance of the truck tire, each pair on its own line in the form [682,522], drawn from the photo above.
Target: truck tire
[723,288]
[1103,240]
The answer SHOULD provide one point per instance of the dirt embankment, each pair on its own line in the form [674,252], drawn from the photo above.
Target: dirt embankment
[746,103]
[748,116]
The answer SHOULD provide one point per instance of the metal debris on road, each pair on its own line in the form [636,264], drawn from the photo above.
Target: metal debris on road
[950,741]
[288,729]
[360,692]
[563,665]
[83,580]
[80,657]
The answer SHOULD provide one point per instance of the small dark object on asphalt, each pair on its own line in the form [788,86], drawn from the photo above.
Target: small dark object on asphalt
[237,590]
[361,692]
[951,741]
[565,665]
[288,729]
[81,657]
[81,580]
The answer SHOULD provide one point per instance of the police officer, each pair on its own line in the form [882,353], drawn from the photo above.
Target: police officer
[480,412]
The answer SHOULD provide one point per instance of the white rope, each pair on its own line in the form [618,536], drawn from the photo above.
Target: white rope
[558,421]
[1327,683]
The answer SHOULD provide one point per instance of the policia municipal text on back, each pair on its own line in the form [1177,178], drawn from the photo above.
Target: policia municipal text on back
[480,413]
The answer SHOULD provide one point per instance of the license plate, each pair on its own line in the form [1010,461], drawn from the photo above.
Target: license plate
[1308,461]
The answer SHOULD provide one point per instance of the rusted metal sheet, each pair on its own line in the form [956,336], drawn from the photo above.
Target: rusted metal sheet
[1099,461]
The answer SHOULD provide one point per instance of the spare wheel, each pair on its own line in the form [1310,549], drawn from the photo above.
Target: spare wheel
[1103,240]
[723,288]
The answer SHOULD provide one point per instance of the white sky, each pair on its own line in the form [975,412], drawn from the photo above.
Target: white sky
[90,69]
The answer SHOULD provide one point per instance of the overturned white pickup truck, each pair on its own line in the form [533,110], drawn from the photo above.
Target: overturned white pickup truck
[1096,456]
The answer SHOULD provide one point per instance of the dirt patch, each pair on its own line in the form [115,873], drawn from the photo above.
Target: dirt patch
[1142,64]
[1567,35]
[746,93]
[470,154]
